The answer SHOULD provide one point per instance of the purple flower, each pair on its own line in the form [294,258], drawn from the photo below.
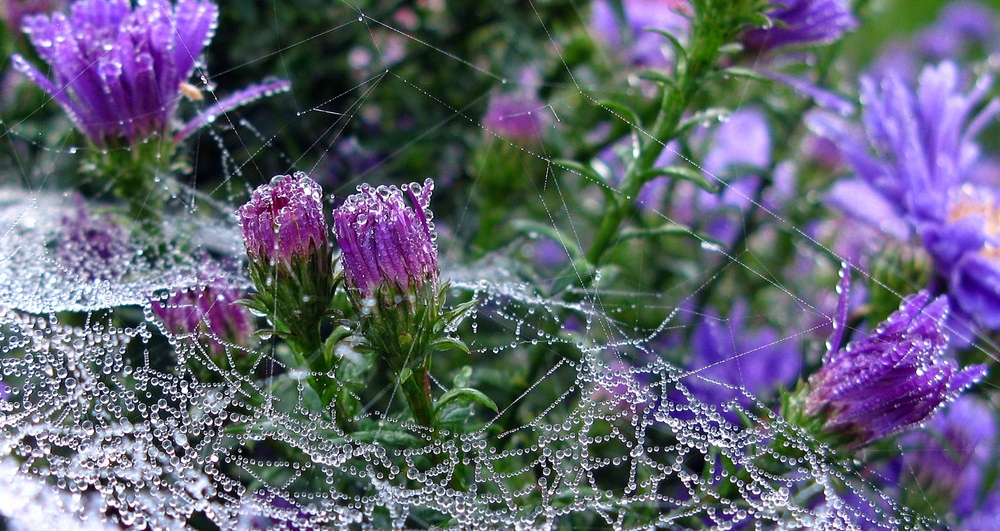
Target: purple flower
[516,117]
[803,22]
[14,12]
[642,48]
[92,247]
[387,243]
[118,69]
[207,309]
[949,460]
[283,224]
[731,361]
[891,380]
[920,180]
[958,25]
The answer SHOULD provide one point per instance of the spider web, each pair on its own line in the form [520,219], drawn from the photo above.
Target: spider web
[112,416]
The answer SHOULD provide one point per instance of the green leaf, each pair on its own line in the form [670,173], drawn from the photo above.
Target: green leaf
[666,229]
[405,375]
[462,377]
[659,76]
[466,394]
[449,343]
[740,72]
[706,116]
[680,172]
[388,437]
[678,47]
[622,112]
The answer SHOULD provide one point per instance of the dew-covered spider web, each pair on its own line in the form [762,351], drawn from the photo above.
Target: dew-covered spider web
[606,416]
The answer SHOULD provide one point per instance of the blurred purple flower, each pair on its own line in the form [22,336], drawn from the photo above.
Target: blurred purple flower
[803,22]
[515,117]
[731,360]
[207,309]
[283,224]
[92,247]
[385,241]
[640,47]
[14,12]
[119,71]
[959,25]
[950,459]
[890,380]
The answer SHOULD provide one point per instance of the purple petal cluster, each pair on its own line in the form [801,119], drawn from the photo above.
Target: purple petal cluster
[803,22]
[208,308]
[386,241]
[117,69]
[914,173]
[891,380]
[283,223]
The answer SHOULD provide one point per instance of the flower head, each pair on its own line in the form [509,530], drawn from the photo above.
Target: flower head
[118,69]
[283,223]
[803,22]
[891,380]
[385,241]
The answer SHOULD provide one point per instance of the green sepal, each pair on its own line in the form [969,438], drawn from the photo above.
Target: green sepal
[467,394]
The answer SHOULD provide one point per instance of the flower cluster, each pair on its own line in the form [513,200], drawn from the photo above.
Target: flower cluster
[803,22]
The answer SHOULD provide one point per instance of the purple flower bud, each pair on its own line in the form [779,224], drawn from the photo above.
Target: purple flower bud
[387,243]
[118,69]
[283,224]
[207,309]
[891,380]
[803,22]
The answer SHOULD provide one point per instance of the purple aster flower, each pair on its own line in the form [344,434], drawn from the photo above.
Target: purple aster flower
[803,22]
[207,309]
[120,71]
[949,460]
[731,361]
[920,181]
[283,224]
[386,242]
[891,380]
[516,117]
[92,247]
[642,48]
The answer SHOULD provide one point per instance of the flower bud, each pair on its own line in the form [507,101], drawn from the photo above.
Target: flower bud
[283,225]
[386,242]
[891,380]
